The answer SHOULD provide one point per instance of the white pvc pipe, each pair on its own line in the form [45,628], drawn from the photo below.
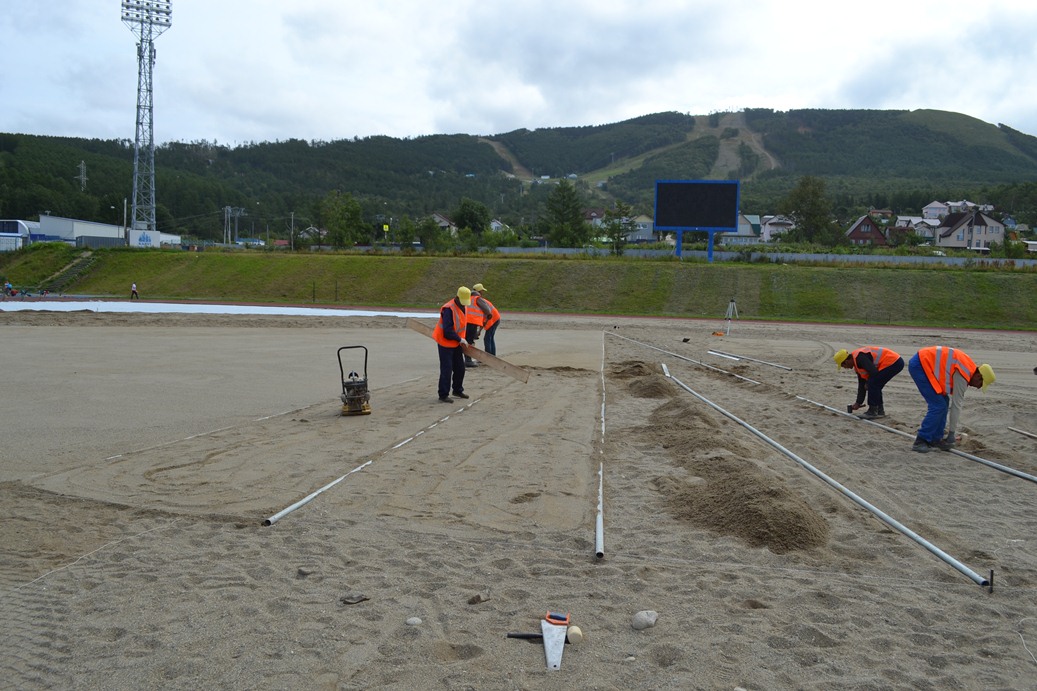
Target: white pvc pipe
[687,359]
[858,418]
[751,359]
[956,452]
[599,528]
[306,500]
[602,370]
[599,521]
[888,520]
[599,524]
[1024,432]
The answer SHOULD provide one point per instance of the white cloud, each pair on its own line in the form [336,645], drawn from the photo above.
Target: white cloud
[260,70]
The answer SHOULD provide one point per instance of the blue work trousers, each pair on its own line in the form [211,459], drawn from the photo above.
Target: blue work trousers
[935,419]
[489,345]
[451,370]
[880,379]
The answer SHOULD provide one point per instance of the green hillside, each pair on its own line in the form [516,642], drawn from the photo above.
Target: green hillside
[939,297]
[900,160]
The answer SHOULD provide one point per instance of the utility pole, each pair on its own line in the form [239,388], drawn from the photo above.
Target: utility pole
[147,20]
[230,212]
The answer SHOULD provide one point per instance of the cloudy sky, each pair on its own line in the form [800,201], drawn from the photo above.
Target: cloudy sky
[238,71]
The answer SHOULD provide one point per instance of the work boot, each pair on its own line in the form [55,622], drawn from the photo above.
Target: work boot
[461,395]
[873,413]
[945,444]
[469,362]
[446,399]
[921,445]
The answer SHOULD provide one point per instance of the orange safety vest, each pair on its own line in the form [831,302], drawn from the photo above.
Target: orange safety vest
[494,314]
[475,314]
[940,363]
[882,357]
[460,320]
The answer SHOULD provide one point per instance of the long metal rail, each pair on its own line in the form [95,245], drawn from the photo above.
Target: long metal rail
[882,516]
[957,452]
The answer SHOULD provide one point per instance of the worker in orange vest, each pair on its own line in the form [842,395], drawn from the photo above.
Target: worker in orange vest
[449,337]
[874,366]
[492,321]
[942,376]
[478,313]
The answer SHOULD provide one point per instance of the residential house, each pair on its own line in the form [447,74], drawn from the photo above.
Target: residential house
[965,205]
[644,229]
[748,231]
[867,231]
[771,227]
[445,224]
[972,230]
[935,209]
[595,217]
[922,227]
[941,209]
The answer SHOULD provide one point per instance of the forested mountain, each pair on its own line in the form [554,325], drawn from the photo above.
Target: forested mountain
[868,158]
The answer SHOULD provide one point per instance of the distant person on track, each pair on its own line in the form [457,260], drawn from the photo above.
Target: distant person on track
[133,292]
[942,376]
[450,341]
[874,366]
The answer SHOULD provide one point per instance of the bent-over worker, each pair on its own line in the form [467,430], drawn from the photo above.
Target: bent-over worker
[874,366]
[942,376]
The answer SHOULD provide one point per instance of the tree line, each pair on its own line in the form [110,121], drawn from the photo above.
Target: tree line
[353,189]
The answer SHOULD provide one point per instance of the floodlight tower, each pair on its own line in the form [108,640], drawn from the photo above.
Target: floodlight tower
[147,19]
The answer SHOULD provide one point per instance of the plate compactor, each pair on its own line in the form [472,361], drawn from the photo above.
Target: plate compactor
[356,399]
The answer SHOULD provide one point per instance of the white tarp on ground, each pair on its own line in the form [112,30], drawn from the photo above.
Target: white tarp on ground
[43,305]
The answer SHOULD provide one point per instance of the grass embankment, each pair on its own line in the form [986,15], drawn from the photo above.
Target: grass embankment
[944,297]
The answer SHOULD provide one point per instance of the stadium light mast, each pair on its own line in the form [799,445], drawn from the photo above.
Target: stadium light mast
[147,19]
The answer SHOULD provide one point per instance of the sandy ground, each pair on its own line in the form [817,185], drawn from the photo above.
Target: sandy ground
[141,454]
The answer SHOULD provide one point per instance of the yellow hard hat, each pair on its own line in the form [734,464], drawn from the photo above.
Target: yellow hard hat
[840,356]
[464,295]
[479,287]
[988,375]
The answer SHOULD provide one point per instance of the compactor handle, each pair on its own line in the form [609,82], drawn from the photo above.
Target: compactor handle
[341,369]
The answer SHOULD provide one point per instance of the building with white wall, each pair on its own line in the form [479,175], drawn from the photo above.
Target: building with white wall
[17,234]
